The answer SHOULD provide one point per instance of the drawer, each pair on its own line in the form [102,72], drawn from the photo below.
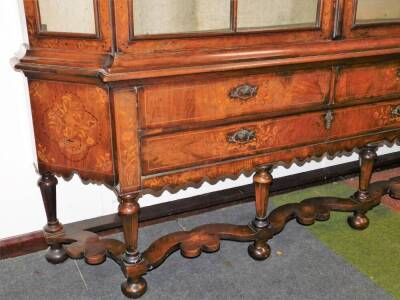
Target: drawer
[368,81]
[184,149]
[367,118]
[169,105]
[203,146]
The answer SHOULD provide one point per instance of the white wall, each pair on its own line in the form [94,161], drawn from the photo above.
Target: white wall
[21,208]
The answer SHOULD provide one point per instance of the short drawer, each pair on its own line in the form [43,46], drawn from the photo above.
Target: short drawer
[188,102]
[357,83]
[367,118]
[184,149]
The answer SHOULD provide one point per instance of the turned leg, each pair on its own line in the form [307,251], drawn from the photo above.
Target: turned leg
[368,156]
[128,211]
[260,250]
[47,184]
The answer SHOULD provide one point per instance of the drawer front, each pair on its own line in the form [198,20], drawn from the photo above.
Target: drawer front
[203,146]
[360,119]
[184,149]
[169,105]
[368,82]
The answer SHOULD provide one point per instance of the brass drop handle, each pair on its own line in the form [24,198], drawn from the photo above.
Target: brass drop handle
[398,73]
[244,92]
[243,136]
[329,118]
[395,113]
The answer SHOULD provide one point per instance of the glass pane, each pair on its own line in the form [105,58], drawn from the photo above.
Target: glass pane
[369,11]
[276,13]
[180,16]
[68,16]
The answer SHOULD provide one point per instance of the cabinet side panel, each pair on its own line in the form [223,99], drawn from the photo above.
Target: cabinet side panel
[126,139]
[72,129]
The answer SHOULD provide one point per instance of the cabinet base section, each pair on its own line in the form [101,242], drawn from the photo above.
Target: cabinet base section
[207,238]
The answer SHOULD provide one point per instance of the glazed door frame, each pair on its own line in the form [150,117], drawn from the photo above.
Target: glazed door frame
[217,40]
[380,28]
[99,42]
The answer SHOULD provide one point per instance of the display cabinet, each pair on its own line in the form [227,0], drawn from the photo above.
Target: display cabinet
[148,95]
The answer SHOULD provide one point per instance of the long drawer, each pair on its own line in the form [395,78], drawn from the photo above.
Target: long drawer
[184,149]
[177,104]
[361,82]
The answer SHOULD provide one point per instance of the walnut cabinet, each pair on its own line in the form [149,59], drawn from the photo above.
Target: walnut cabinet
[144,95]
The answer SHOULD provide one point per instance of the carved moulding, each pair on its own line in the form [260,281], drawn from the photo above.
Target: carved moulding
[207,238]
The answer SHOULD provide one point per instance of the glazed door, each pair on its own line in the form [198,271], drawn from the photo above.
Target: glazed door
[196,24]
[69,24]
[371,18]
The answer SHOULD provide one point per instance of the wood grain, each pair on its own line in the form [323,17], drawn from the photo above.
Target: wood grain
[232,168]
[127,143]
[72,131]
[145,115]
[203,101]
[367,81]
[173,151]
[165,152]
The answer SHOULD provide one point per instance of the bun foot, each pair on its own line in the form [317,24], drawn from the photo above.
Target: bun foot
[394,188]
[358,221]
[56,254]
[134,287]
[260,250]
[394,195]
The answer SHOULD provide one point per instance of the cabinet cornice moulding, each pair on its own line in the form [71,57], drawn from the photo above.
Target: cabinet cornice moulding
[123,66]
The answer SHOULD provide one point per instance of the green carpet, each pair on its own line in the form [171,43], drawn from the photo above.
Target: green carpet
[375,251]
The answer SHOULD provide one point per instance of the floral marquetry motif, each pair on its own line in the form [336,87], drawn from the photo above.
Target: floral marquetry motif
[43,154]
[143,111]
[127,142]
[71,128]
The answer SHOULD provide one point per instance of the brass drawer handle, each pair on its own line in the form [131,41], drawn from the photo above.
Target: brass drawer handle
[243,92]
[329,118]
[243,136]
[395,113]
[398,73]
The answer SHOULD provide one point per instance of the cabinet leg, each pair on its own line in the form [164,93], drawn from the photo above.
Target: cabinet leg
[134,287]
[128,211]
[394,188]
[47,184]
[368,156]
[260,250]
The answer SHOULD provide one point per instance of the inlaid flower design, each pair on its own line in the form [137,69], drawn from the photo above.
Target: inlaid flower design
[71,127]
